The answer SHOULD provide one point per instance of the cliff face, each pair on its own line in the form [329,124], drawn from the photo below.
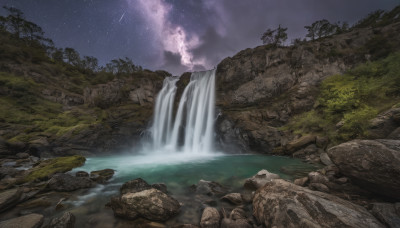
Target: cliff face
[260,89]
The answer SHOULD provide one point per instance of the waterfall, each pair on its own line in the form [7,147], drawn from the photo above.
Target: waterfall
[192,129]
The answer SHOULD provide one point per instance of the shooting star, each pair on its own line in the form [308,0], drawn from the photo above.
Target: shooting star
[121,17]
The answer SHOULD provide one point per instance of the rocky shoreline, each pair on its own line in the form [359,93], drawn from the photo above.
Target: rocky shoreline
[356,188]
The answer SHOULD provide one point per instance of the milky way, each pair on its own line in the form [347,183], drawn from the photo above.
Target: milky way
[180,35]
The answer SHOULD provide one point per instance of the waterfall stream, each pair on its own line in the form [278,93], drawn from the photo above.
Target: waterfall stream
[191,130]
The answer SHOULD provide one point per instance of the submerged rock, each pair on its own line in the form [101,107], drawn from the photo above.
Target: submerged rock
[102,176]
[282,204]
[136,185]
[62,182]
[260,179]
[26,221]
[210,218]
[372,164]
[210,188]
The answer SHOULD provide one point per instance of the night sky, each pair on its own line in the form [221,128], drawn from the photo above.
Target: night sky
[180,35]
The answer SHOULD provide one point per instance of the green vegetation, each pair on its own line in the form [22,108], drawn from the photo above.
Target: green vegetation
[347,102]
[49,167]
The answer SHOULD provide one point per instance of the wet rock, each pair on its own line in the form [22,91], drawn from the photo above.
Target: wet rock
[387,213]
[81,174]
[136,185]
[9,198]
[318,187]
[210,218]
[372,164]
[282,204]
[234,198]
[22,155]
[8,171]
[162,187]
[151,204]
[210,188]
[62,182]
[67,220]
[102,176]
[26,221]
[325,159]
[316,177]
[301,181]
[260,179]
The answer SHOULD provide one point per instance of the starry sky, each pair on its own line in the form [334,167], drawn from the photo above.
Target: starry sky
[180,35]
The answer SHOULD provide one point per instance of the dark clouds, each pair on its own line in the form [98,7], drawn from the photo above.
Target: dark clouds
[178,35]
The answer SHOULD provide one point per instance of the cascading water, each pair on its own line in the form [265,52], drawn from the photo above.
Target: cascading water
[194,120]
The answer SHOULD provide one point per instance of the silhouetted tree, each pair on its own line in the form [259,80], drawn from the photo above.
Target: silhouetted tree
[370,19]
[320,29]
[71,56]
[15,20]
[90,63]
[275,37]
[122,66]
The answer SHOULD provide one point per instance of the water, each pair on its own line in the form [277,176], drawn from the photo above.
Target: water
[194,119]
[178,172]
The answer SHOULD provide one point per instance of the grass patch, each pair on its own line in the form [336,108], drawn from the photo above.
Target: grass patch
[49,167]
[347,102]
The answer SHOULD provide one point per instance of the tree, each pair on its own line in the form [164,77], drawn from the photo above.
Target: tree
[15,20]
[72,56]
[122,66]
[32,31]
[275,37]
[90,63]
[320,29]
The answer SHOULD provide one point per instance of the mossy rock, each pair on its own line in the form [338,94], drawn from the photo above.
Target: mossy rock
[49,167]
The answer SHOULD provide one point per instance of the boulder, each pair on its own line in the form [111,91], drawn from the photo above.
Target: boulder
[301,181]
[210,218]
[136,185]
[22,155]
[384,124]
[316,177]
[325,159]
[9,198]
[151,204]
[102,176]
[62,182]
[260,179]
[26,221]
[210,188]
[67,220]
[237,219]
[318,187]
[372,164]
[81,174]
[234,198]
[387,213]
[395,134]
[282,204]
[160,186]
[7,171]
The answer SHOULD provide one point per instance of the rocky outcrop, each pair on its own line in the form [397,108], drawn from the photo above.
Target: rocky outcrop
[385,125]
[372,164]
[260,89]
[282,204]
[26,221]
[139,199]
[62,182]
[387,213]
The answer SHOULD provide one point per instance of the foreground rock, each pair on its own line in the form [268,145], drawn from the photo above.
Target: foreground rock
[9,198]
[372,164]
[388,214]
[139,200]
[260,179]
[210,218]
[67,220]
[62,182]
[237,219]
[282,204]
[26,221]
